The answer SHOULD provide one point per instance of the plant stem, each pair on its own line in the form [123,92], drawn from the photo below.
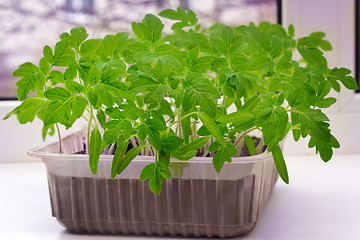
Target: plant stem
[59,136]
[180,118]
[88,130]
[260,146]
[179,122]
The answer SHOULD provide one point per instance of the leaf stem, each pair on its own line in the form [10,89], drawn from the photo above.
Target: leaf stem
[59,136]
[181,118]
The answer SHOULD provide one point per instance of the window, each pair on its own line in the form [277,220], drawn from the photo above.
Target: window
[27,25]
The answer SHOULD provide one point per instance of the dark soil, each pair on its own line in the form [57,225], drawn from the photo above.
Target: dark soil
[111,150]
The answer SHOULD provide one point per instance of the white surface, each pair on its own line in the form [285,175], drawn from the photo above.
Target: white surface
[321,202]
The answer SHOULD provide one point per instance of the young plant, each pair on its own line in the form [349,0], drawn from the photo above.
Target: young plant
[171,95]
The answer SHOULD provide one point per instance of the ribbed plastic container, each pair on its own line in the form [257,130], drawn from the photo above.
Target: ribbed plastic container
[198,203]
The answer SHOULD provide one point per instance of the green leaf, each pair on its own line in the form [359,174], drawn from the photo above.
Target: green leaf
[155,172]
[113,130]
[78,105]
[280,163]
[237,117]
[312,56]
[139,47]
[27,111]
[350,83]
[121,148]
[151,28]
[326,102]
[94,150]
[276,46]
[164,170]
[170,14]
[55,112]
[250,145]
[260,37]
[259,64]
[48,54]
[147,171]
[171,143]
[77,36]
[214,146]
[173,62]
[24,86]
[74,87]
[291,30]
[64,56]
[130,155]
[219,159]
[219,45]
[165,108]
[296,98]
[194,145]
[212,127]
[44,66]
[94,75]
[57,93]
[200,40]
[184,156]
[47,130]
[126,128]
[227,35]
[56,77]
[294,122]
[25,69]
[89,46]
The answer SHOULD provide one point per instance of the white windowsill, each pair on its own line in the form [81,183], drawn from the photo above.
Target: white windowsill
[321,202]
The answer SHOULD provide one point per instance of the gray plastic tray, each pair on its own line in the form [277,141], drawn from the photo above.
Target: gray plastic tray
[200,202]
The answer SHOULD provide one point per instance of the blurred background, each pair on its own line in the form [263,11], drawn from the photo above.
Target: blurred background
[28,25]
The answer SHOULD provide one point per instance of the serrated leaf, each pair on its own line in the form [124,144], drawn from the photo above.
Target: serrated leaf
[170,14]
[57,93]
[113,130]
[219,159]
[77,36]
[56,77]
[200,40]
[89,46]
[48,54]
[183,156]
[151,28]
[24,86]
[171,143]
[276,46]
[78,105]
[260,37]
[326,102]
[44,66]
[27,111]
[63,55]
[212,127]
[55,111]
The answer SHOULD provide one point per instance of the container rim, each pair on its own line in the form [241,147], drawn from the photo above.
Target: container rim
[38,152]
